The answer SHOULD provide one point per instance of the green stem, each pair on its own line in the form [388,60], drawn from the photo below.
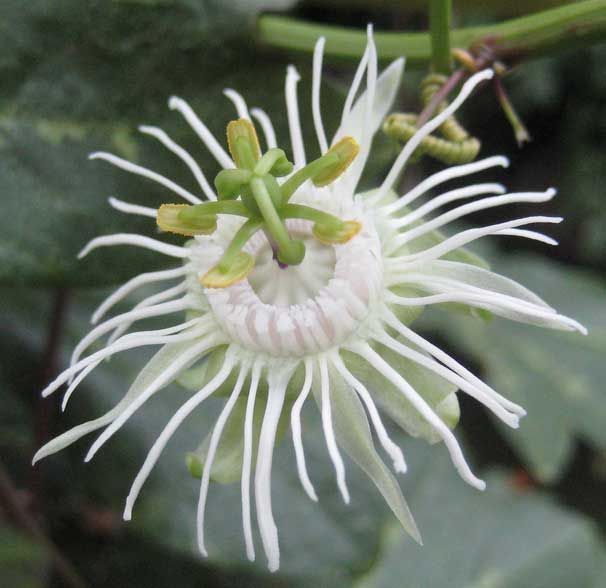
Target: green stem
[579,23]
[439,30]
[273,222]
[311,214]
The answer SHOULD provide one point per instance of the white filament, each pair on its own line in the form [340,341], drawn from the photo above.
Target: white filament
[129,208]
[215,438]
[465,237]
[189,356]
[267,526]
[224,160]
[238,101]
[132,285]
[294,122]
[451,196]
[146,303]
[390,447]
[168,431]
[465,209]
[315,94]
[329,433]
[295,425]
[128,317]
[458,459]
[185,157]
[454,365]
[268,128]
[429,127]
[487,400]
[247,461]
[146,173]
[441,177]
[132,239]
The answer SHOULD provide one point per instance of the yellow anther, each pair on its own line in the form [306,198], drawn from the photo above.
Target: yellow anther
[345,150]
[239,267]
[330,236]
[170,219]
[243,143]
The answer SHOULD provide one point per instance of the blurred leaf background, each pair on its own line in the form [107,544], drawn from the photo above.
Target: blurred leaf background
[80,76]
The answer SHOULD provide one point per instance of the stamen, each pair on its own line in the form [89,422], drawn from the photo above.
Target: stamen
[243,143]
[172,220]
[325,169]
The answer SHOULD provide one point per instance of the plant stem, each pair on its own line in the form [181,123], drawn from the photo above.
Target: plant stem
[577,24]
[9,501]
[439,30]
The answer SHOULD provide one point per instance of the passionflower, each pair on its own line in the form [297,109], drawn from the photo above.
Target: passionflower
[291,282]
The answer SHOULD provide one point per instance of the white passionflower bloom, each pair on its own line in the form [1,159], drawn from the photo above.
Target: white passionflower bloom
[315,294]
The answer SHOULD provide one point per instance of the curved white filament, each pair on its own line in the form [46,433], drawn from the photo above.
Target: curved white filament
[399,463]
[377,362]
[182,154]
[132,285]
[146,173]
[224,160]
[294,121]
[247,461]
[429,127]
[329,433]
[129,208]
[315,94]
[215,438]
[295,425]
[133,239]
[168,431]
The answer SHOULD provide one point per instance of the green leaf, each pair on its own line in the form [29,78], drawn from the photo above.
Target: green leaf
[22,561]
[503,538]
[557,376]
[59,104]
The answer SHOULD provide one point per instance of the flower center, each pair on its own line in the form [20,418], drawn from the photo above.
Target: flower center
[307,308]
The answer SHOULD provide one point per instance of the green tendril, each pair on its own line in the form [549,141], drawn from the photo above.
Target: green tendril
[454,146]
